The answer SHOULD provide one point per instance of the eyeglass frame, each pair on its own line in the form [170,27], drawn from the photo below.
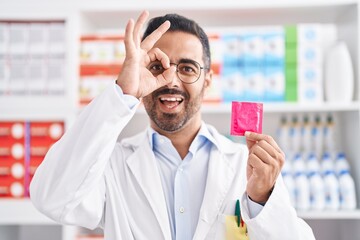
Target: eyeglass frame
[191,62]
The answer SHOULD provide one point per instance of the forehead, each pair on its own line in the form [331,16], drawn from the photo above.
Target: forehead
[180,45]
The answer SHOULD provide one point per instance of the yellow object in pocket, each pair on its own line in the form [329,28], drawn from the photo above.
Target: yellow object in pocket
[233,232]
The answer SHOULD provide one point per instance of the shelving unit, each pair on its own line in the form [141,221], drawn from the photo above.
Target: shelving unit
[83,17]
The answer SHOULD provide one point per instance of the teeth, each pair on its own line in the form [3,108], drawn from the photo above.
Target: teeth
[171,99]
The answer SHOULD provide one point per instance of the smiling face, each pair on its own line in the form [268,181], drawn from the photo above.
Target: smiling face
[176,105]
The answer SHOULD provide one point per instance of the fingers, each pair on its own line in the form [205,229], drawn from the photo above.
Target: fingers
[138,27]
[265,148]
[129,42]
[166,76]
[253,137]
[156,54]
[150,40]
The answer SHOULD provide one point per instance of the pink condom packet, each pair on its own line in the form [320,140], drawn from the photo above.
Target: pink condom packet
[246,116]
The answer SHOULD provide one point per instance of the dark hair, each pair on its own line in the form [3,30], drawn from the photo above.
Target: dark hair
[182,24]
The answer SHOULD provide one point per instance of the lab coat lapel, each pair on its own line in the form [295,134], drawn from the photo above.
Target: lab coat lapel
[143,165]
[220,176]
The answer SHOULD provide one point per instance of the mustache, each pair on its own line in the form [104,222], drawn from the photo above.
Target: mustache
[165,90]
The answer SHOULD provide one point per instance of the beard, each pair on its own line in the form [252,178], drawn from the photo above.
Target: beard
[171,122]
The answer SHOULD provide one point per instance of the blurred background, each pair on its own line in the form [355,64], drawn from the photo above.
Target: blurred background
[300,59]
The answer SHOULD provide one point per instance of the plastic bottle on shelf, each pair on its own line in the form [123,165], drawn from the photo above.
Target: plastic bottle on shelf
[338,65]
[306,135]
[327,163]
[341,163]
[283,134]
[329,134]
[347,191]
[295,135]
[287,174]
[317,136]
[332,191]
[317,189]
[302,188]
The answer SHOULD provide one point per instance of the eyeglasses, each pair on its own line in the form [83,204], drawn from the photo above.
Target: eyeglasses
[187,70]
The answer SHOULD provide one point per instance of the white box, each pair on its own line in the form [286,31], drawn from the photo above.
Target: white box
[4,38]
[310,54]
[310,84]
[56,76]
[18,73]
[38,38]
[310,33]
[4,77]
[18,38]
[37,72]
[57,38]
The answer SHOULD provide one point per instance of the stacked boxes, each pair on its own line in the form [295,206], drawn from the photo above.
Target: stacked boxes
[12,159]
[101,58]
[23,146]
[310,63]
[252,64]
[291,63]
[274,63]
[32,57]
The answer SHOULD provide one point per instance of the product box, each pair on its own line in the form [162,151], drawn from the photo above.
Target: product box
[4,76]
[254,86]
[42,135]
[37,76]
[38,38]
[231,49]
[274,46]
[310,54]
[310,33]
[92,86]
[233,84]
[56,38]
[56,77]
[11,188]
[252,47]
[4,38]
[18,73]
[18,38]
[274,81]
[310,84]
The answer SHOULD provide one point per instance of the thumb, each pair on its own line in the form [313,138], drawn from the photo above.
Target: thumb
[167,76]
[249,142]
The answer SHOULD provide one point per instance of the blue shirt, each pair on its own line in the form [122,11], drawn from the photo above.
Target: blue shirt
[183,180]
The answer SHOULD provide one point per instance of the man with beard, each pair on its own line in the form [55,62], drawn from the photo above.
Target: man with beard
[179,179]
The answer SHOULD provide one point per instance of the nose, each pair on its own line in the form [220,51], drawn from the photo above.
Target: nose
[175,80]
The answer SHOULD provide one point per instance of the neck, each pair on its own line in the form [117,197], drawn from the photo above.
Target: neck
[182,138]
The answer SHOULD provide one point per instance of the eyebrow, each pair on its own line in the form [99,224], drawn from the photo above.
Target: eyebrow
[187,60]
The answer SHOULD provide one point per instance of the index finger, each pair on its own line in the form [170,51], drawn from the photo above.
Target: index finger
[150,40]
[252,136]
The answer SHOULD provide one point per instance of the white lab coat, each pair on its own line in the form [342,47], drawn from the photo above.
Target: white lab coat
[90,179]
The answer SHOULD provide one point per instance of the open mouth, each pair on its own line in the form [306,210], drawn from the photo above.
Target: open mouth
[171,102]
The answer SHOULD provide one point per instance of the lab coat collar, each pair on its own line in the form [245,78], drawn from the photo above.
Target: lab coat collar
[143,166]
[221,173]
[223,144]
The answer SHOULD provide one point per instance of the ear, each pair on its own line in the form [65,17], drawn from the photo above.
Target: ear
[208,80]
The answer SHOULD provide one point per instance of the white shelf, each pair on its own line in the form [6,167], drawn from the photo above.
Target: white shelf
[330,215]
[21,212]
[225,108]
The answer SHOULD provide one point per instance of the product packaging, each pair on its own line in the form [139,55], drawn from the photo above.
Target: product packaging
[246,116]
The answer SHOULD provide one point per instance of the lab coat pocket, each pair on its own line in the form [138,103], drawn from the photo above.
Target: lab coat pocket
[232,230]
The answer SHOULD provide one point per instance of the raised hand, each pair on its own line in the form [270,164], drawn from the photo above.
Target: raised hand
[135,79]
[264,165]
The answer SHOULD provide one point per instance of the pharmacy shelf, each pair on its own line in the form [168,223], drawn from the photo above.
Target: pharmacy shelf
[280,107]
[21,212]
[333,215]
